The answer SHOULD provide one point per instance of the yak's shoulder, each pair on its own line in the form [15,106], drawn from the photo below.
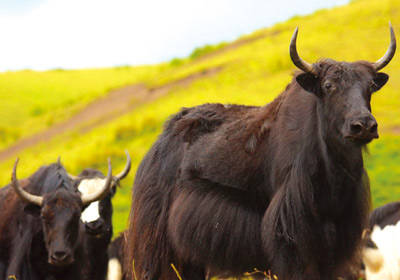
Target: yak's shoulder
[191,123]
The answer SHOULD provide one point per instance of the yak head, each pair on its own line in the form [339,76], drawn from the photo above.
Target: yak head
[344,89]
[59,210]
[97,217]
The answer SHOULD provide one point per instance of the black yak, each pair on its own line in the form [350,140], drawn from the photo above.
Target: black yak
[97,221]
[41,235]
[281,188]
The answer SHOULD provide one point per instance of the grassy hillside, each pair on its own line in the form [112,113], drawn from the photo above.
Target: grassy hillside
[253,72]
[33,101]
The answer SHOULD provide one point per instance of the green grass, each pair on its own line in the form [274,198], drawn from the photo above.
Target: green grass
[207,49]
[32,101]
[254,73]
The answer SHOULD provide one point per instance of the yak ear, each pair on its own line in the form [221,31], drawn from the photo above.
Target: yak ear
[379,81]
[309,82]
[32,209]
[113,190]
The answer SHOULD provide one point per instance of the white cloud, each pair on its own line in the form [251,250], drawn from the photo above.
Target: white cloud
[94,33]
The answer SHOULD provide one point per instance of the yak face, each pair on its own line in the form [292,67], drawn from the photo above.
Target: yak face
[97,216]
[345,90]
[60,221]
[59,215]
[60,209]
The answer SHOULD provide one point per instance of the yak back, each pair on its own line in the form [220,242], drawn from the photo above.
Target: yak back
[225,144]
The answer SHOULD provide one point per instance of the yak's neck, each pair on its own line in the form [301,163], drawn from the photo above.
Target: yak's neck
[317,141]
[318,163]
[337,156]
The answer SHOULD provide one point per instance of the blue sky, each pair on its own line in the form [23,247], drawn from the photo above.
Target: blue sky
[47,34]
[17,6]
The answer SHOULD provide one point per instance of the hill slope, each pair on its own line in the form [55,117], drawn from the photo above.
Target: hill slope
[253,71]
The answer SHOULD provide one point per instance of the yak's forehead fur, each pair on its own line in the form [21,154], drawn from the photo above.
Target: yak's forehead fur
[344,72]
[59,190]
[91,173]
[89,186]
[96,176]
[50,178]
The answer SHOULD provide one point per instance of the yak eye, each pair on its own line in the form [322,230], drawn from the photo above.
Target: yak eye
[328,85]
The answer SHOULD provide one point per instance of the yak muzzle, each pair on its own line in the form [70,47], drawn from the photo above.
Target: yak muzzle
[95,228]
[61,258]
[362,130]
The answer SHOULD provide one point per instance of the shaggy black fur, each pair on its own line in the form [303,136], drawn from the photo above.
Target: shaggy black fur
[29,233]
[226,189]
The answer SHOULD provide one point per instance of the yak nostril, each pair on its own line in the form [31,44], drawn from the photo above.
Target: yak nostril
[356,128]
[373,128]
[60,255]
[96,225]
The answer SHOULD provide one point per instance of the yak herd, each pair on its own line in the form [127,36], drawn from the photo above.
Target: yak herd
[275,192]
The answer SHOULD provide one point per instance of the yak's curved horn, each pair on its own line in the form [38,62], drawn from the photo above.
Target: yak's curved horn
[389,53]
[34,199]
[99,195]
[300,63]
[127,168]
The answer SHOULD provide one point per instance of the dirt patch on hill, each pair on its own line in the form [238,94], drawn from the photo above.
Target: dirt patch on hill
[115,104]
